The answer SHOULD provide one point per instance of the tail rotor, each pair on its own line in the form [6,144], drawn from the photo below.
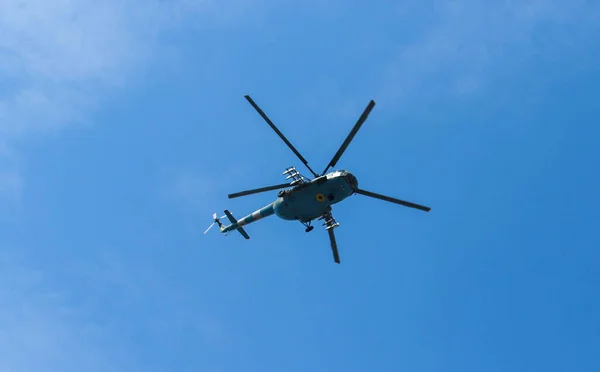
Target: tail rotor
[216,220]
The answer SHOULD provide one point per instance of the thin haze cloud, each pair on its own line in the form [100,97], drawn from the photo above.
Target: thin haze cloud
[58,56]
[470,43]
[41,330]
[58,61]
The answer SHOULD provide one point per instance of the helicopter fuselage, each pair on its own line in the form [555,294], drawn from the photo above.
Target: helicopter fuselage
[304,202]
[311,200]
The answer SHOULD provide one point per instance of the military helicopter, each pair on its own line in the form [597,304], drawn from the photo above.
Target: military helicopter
[306,199]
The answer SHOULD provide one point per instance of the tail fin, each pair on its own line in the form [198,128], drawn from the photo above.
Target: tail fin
[239,228]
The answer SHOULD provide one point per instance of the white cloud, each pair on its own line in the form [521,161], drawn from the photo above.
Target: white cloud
[59,58]
[55,56]
[469,42]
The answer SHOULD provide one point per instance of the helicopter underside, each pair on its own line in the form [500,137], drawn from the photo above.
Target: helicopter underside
[308,203]
[310,199]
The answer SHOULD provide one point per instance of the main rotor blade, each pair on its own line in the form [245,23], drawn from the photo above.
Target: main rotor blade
[264,116]
[393,200]
[334,249]
[351,135]
[255,191]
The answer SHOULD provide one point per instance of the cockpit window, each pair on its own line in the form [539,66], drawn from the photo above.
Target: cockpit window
[352,181]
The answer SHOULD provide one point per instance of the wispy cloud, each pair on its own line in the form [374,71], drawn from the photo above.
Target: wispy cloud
[59,59]
[89,315]
[39,331]
[469,43]
[56,58]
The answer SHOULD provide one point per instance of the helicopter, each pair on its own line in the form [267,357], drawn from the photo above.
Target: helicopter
[307,199]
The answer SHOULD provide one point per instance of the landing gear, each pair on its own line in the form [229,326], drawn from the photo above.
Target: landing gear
[308,226]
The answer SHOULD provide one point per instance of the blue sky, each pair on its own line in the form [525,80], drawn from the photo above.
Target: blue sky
[123,128]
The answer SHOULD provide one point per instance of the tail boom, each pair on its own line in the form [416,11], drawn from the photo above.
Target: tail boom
[252,217]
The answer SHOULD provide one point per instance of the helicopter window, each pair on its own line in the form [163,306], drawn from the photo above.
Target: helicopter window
[351,179]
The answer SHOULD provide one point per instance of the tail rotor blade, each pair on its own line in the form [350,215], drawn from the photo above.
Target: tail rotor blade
[215,220]
[210,227]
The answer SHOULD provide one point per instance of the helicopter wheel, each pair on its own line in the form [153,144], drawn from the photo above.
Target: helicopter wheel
[308,226]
